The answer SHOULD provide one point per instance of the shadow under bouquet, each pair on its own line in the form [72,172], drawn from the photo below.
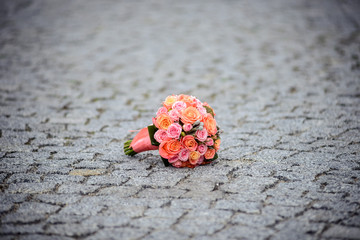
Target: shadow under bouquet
[184,131]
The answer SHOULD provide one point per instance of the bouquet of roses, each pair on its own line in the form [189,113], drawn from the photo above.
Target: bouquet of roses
[184,131]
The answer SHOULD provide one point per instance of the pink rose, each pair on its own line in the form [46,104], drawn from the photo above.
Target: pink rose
[209,141]
[202,110]
[201,160]
[187,127]
[179,106]
[173,159]
[160,135]
[174,130]
[201,135]
[198,103]
[161,110]
[184,155]
[177,164]
[174,115]
[202,148]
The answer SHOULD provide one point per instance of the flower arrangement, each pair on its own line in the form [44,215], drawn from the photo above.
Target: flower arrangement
[184,131]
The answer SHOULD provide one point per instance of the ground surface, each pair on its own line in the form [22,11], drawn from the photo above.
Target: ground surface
[282,76]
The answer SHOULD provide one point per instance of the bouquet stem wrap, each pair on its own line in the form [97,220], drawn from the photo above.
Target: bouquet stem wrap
[140,143]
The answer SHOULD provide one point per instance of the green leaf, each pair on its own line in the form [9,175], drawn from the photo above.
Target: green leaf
[165,161]
[152,129]
[215,156]
[209,110]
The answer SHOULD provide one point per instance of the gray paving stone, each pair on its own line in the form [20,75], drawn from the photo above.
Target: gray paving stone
[247,207]
[296,229]
[161,193]
[3,177]
[81,209]
[244,184]
[6,198]
[108,221]
[119,233]
[40,208]
[76,188]
[55,169]
[242,232]
[41,237]
[22,218]
[8,237]
[62,178]
[321,215]
[21,177]
[165,234]
[72,229]
[65,218]
[201,186]
[189,203]
[111,179]
[8,166]
[5,207]
[92,164]
[31,188]
[58,199]
[254,220]
[200,222]
[127,211]
[164,212]
[156,180]
[129,202]
[284,212]
[282,77]
[119,191]
[352,221]
[75,156]
[15,229]
[30,212]
[148,223]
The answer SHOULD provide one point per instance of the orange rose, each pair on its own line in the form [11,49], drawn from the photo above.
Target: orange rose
[210,124]
[163,121]
[189,142]
[217,144]
[168,149]
[189,100]
[169,101]
[210,153]
[194,157]
[190,115]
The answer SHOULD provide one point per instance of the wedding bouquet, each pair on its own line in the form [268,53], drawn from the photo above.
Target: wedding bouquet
[184,131]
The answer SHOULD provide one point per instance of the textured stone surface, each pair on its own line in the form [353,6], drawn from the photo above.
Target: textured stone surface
[282,76]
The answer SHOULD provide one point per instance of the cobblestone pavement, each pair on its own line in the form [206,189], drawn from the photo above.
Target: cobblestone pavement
[282,76]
